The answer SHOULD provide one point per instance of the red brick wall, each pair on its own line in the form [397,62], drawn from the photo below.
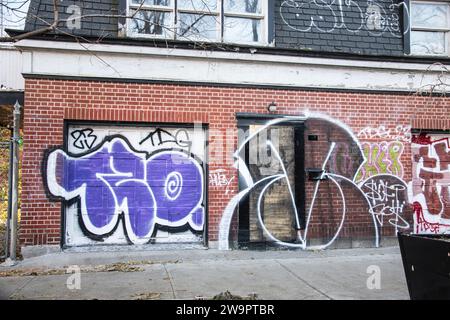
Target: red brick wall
[49,102]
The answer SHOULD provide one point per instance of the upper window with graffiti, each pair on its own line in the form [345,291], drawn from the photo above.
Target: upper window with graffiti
[232,21]
[430,26]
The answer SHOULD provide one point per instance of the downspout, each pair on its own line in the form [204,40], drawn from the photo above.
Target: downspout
[14,188]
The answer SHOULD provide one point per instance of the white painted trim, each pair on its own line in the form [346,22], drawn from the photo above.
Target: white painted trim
[168,64]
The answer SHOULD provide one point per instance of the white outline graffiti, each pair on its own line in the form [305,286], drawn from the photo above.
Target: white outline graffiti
[314,23]
[285,175]
[399,133]
[172,191]
[376,20]
[225,222]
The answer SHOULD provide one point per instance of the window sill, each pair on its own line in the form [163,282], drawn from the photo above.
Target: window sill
[200,42]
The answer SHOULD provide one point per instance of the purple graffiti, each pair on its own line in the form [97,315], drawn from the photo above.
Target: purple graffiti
[114,180]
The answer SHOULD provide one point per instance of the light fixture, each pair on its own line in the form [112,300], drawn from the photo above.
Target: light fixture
[272,107]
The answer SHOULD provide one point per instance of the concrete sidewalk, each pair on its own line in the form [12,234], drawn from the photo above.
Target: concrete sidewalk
[190,274]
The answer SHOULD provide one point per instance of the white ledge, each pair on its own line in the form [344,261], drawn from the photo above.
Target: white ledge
[168,64]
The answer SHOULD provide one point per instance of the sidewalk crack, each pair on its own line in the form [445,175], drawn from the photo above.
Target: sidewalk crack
[15,293]
[304,281]
[171,282]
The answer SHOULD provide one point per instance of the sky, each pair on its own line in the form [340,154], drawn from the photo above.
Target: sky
[12,14]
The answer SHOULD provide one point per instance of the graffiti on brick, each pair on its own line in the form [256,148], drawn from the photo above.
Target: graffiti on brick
[399,133]
[329,16]
[388,196]
[343,160]
[382,157]
[430,186]
[380,200]
[219,178]
[116,184]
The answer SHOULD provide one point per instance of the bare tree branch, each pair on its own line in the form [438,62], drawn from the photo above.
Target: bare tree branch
[50,28]
[440,86]
[133,16]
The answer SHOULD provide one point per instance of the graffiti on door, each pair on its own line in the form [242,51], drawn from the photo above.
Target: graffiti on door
[430,187]
[115,184]
[341,200]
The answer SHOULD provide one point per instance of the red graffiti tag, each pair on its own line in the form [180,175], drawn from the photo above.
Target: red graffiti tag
[434,174]
[422,138]
[422,225]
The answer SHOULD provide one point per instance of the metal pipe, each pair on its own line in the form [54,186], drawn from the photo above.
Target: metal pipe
[15,182]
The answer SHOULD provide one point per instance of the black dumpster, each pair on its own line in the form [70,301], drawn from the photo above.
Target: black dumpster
[426,260]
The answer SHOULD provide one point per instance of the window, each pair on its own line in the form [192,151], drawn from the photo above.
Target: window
[198,20]
[430,26]
[231,21]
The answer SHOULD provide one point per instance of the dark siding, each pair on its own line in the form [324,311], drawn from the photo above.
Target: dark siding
[335,30]
[102,25]
[312,25]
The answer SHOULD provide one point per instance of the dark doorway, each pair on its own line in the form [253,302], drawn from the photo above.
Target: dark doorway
[272,157]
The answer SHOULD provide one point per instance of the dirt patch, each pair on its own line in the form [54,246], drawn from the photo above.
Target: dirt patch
[120,267]
[31,272]
[227,295]
[128,266]
[149,262]
[117,267]
[147,296]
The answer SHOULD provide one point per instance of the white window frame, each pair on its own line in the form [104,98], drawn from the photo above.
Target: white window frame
[220,14]
[217,14]
[445,30]
[130,6]
[263,16]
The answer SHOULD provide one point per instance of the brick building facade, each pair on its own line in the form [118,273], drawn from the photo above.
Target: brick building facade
[318,134]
